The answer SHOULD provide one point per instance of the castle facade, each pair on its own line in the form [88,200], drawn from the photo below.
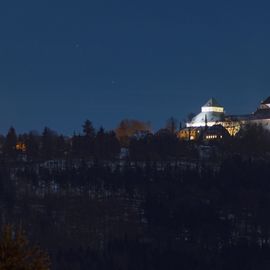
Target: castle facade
[214,123]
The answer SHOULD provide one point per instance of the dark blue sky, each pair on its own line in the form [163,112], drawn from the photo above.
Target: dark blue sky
[64,61]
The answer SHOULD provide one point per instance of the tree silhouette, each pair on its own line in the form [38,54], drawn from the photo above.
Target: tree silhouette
[88,139]
[32,146]
[48,143]
[172,125]
[10,143]
[88,129]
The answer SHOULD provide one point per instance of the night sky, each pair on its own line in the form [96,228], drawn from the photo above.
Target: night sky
[62,62]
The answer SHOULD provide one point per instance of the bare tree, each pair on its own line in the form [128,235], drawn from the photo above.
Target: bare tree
[16,252]
[172,125]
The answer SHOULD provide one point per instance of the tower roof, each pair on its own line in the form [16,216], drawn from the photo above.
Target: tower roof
[212,102]
[266,101]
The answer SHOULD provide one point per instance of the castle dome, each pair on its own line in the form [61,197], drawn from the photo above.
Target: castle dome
[212,106]
[211,113]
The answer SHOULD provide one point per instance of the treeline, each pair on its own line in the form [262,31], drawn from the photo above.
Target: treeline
[49,145]
[135,137]
[131,140]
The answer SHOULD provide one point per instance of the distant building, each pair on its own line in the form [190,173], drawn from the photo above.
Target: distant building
[190,133]
[20,146]
[213,115]
[215,132]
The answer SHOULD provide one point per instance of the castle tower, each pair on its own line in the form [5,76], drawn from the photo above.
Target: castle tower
[212,111]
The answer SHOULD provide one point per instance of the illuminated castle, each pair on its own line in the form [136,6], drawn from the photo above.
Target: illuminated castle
[213,115]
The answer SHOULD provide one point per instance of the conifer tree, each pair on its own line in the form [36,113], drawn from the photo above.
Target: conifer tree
[88,139]
[10,143]
[88,129]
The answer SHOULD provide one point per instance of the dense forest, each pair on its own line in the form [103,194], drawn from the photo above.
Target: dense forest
[163,204]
